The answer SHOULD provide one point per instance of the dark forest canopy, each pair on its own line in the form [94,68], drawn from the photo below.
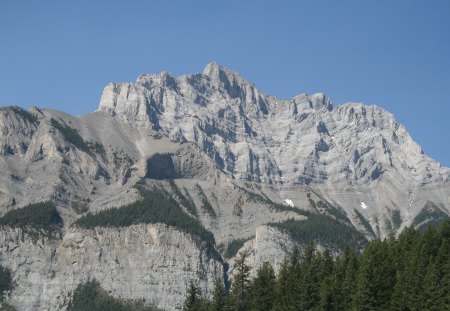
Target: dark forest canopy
[323,230]
[155,206]
[42,215]
[411,272]
[90,296]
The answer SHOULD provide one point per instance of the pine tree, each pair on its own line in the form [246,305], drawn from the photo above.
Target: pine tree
[284,295]
[327,283]
[328,295]
[432,298]
[443,262]
[405,295]
[375,278]
[346,287]
[193,297]
[262,289]
[219,297]
[308,295]
[239,298]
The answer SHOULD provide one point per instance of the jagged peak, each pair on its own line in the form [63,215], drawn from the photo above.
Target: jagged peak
[315,101]
[222,74]
[163,78]
[212,69]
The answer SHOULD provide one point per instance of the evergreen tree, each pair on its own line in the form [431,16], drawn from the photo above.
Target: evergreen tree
[219,297]
[347,279]
[327,282]
[239,298]
[308,295]
[284,289]
[263,288]
[432,299]
[375,278]
[193,297]
[389,275]
[443,263]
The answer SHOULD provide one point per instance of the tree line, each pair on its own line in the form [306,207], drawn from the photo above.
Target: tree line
[90,296]
[41,216]
[156,206]
[411,272]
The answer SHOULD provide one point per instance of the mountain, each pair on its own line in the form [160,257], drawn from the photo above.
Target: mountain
[223,166]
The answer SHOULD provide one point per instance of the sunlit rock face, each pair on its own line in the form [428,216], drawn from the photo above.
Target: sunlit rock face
[235,159]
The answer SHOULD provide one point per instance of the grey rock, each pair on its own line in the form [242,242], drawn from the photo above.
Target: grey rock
[233,152]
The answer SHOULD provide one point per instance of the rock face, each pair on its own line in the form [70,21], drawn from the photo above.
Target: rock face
[253,136]
[150,262]
[351,154]
[233,158]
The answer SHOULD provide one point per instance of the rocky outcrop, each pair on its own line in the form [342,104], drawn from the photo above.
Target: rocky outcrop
[149,262]
[253,136]
[351,154]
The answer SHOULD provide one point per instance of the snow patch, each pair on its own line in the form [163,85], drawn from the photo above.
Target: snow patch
[289,202]
[363,205]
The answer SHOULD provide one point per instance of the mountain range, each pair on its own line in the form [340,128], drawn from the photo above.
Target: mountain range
[231,168]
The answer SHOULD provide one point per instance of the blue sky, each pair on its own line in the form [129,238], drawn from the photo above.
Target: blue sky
[393,54]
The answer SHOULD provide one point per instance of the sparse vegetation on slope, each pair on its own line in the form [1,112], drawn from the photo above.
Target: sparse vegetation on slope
[91,297]
[233,247]
[255,197]
[364,222]
[156,206]
[185,201]
[205,202]
[71,135]
[24,114]
[323,230]
[325,207]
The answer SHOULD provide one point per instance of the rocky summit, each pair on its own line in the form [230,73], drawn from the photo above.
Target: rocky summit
[172,176]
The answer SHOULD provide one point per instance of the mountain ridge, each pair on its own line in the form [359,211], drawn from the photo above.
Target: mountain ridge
[230,156]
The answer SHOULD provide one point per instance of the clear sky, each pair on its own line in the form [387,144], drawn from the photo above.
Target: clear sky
[393,54]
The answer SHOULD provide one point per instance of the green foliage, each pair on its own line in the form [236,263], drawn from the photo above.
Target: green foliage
[240,288]
[408,273]
[205,202]
[375,280]
[219,300]
[262,290]
[194,300]
[233,247]
[5,281]
[323,229]
[155,207]
[91,297]
[332,210]
[323,206]
[187,202]
[43,216]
